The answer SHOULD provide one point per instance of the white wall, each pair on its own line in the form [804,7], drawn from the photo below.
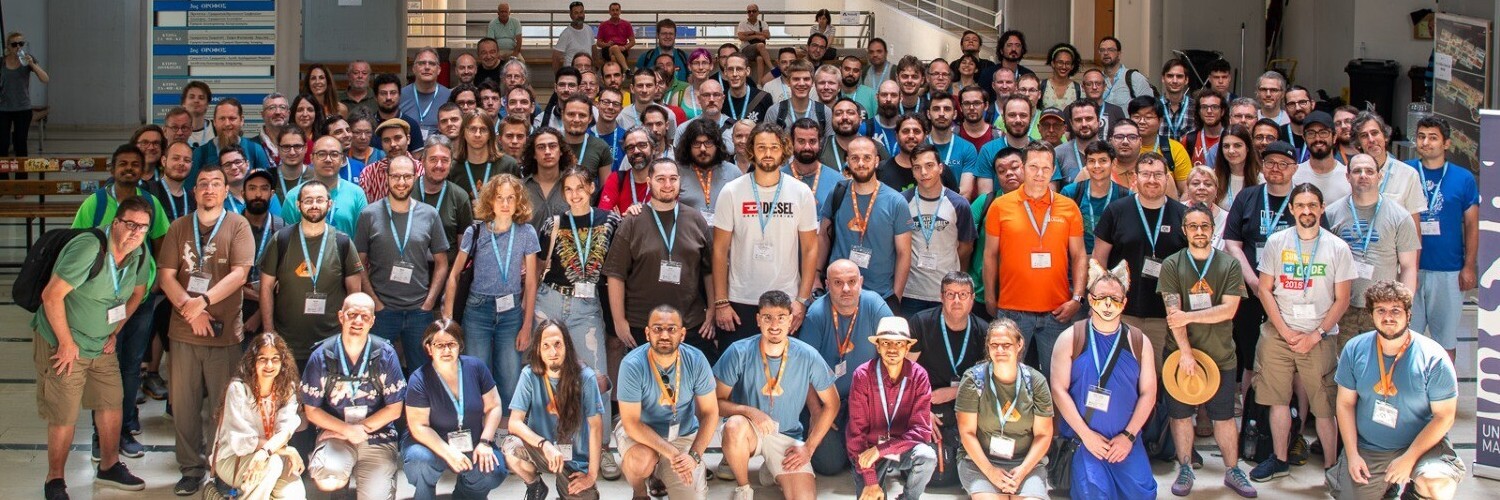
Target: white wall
[98,65]
[906,34]
[1138,25]
[30,18]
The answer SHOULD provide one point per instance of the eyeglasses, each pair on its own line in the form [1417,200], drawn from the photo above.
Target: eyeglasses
[147,144]
[958,295]
[1150,175]
[327,155]
[1277,164]
[444,346]
[1324,133]
[1101,300]
[1299,103]
[400,177]
[234,163]
[1210,107]
[1198,227]
[17,44]
[774,318]
[134,227]
[662,329]
[293,147]
[1126,137]
[277,107]
[639,145]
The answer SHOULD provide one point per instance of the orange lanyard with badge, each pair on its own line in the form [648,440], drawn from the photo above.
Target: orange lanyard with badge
[669,395]
[773,385]
[860,223]
[1387,385]
[551,399]
[846,345]
[706,181]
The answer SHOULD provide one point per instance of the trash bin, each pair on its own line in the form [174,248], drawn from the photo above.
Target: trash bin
[1374,81]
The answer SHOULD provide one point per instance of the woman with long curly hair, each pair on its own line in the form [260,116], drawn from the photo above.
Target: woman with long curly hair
[556,418]
[256,422]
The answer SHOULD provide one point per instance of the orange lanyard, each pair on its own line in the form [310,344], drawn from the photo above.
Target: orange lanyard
[669,395]
[1387,385]
[267,416]
[857,222]
[706,181]
[773,385]
[551,400]
[847,344]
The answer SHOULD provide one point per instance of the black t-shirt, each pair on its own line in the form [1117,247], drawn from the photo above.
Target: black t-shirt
[1244,222]
[900,178]
[175,206]
[488,74]
[755,100]
[932,353]
[1121,227]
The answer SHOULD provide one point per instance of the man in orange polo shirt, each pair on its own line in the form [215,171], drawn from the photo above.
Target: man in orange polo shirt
[1034,241]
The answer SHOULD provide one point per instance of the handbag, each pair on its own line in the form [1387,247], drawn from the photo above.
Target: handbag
[1060,456]
[466,275]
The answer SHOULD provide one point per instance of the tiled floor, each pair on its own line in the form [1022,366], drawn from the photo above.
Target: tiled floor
[22,441]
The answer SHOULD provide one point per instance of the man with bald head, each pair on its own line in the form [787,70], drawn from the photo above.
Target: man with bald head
[505,31]
[352,393]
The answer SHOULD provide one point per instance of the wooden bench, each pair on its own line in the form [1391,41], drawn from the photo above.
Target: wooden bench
[35,207]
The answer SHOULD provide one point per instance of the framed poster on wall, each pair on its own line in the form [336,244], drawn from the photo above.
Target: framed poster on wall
[1461,81]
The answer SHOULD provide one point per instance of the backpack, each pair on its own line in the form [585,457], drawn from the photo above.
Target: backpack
[1080,338]
[1130,84]
[1255,429]
[284,242]
[836,200]
[784,111]
[37,269]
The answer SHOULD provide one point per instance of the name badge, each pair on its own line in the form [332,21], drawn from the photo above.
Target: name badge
[116,314]
[1431,228]
[1385,414]
[1041,260]
[1151,267]
[1098,399]
[708,215]
[356,414]
[1003,447]
[763,251]
[1364,269]
[401,273]
[1303,311]
[954,383]
[461,441]
[926,260]
[584,291]
[198,283]
[566,450]
[505,303]
[671,272]
[840,369]
[315,303]
[1200,301]
[860,256]
[674,431]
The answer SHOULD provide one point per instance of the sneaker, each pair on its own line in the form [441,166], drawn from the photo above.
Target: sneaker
[1269,469]
[130,448]
[1184,483]
[744,493]
[723,471]
[536,490]
[188,486]
[1297,453]
[153,386]
[608,468]
[56,489]
[1197,460]
[1235,479]
[119,477]
[140,399]
[94,453]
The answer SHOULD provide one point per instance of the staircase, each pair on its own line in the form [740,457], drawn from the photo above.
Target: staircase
[954,16]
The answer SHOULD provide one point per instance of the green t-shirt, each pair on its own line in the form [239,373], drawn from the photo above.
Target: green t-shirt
[85,216]
[979,208]
[293,283]
[977,393]
[88,305]
[1222,278]
[594,154]
[454,210]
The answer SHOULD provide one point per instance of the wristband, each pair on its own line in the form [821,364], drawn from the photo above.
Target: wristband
[1127,435]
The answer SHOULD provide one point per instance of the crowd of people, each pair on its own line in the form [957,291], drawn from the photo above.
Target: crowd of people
[596,284]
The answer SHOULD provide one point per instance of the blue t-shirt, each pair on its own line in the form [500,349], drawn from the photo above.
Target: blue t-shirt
[1458,192]
[826,180]
[1093,209]
[425,389]
[531,398]
[1069,161]
[638,385]
[886,137]
[491,248]
[889,218]
[1423,375]
[208,154]
[960,157]
[344,204]
[987,154]
[820,332]
[334,381]
[741,369]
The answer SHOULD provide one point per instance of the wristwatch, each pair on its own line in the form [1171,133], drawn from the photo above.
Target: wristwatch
[487,442]
[1127,435]
[1322,333]
[697,457]
[805,301]
[1078,299]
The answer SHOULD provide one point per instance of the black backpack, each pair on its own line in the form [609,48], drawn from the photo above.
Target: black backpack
[36,271]
[1255,429]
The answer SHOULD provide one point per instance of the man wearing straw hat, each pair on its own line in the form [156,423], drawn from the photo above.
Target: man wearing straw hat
[1202,287]
[891,440]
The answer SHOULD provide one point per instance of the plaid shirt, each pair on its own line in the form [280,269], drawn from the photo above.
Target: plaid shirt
[373,178]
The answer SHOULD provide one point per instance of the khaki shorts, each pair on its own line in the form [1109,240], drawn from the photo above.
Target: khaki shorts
[1156,331]
[1355,321]
[675,487]
[512,445]
[93,384]
[1276,365]
[774,447]
[1439,461]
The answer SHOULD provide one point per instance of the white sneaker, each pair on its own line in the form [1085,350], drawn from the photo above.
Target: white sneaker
[723,471]
[744,493]
[608,467]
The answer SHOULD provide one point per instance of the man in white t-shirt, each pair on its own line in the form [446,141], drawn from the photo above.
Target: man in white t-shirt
[765,238]
[1397,180]
[753,33]
[1321,168]
[576,38]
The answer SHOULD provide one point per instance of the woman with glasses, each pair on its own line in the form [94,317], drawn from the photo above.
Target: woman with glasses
[502,297]
[453,411]
[15,94]
[1237,165]
[259,415]
[1060,89]
[318,84]
[700,65]
[1203,187]
[1005,415]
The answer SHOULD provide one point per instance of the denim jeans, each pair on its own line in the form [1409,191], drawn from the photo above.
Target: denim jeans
[491,337]
[917,464]
[130,347]
[424,468]
[585,322]
[407,327]
[1039,330]
[910,307]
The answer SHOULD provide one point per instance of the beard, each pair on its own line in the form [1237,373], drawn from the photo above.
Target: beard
[886,111]
[257,206]
[849,82]
[314,217]
[806,157]
[1319,152]
[1391,336]
[862,175]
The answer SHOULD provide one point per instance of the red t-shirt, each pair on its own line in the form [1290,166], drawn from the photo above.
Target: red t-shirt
[615,32]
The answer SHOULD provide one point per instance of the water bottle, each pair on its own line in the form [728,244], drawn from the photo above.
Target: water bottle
[1252,435]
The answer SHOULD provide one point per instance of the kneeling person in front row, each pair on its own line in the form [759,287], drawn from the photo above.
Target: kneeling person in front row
[754,375]
[668,410]
[453,411]
[1397,399]
[897,438]
[352,391]
[1004,418]
[556,418]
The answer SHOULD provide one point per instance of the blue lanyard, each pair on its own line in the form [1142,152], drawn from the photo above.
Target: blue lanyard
[672,240]
[442,193]
[1088,198]
[1206,264]
[198,242]
[234,205]
[281,181]
[614,144]
[1153,233]
[458,399]
[838,159]
[401,239]
[469,171]
[265,237]
[586,246]
[1094,348]
[885,408]
[915,107]
[509,248]
[1023,381]
[416,100]
[1175,125]
[1369,225]
[948,342]
[115,274]
[762,212]
[313,267]
[364,365]
[1306,265]
[172,199]
[928,227]
[946,156]
[1290,137]
[1268,223]
[1103,98]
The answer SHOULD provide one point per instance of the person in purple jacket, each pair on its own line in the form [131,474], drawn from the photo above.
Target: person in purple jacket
[890,417]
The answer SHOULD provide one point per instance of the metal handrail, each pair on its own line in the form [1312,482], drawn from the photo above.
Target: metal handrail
[951,17]
[436,27]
